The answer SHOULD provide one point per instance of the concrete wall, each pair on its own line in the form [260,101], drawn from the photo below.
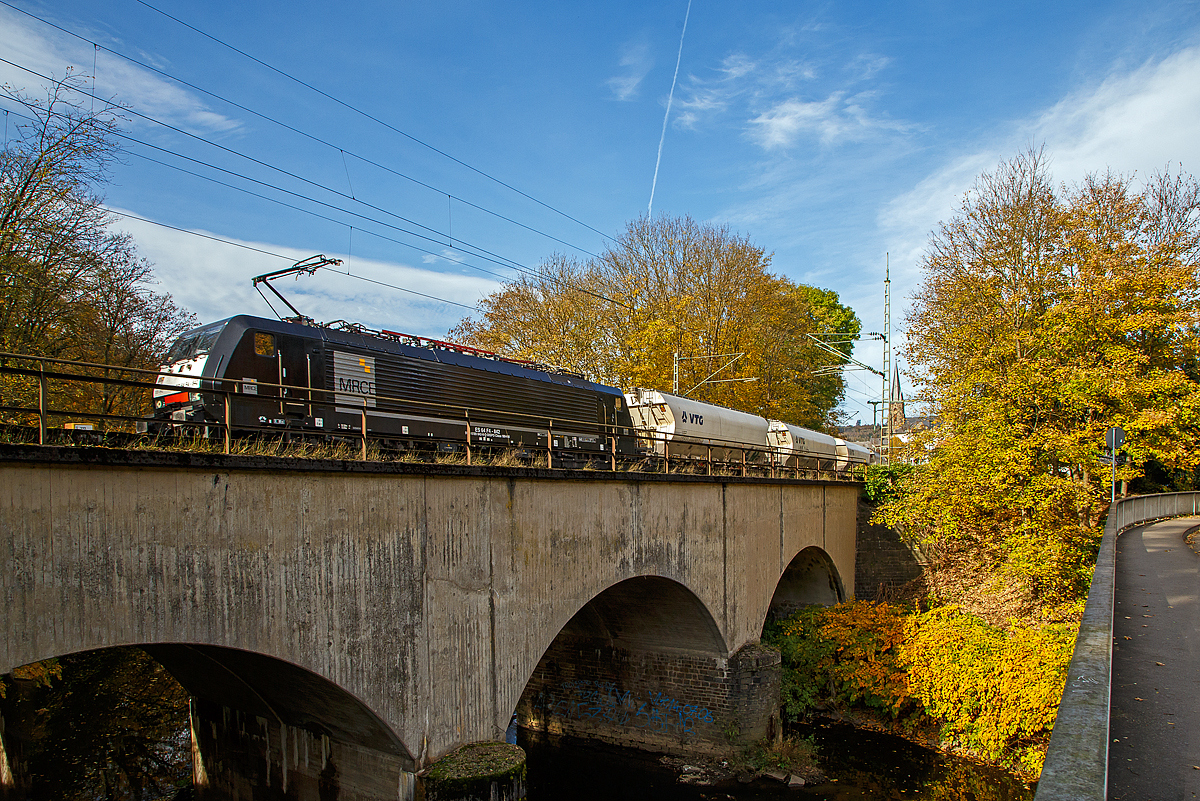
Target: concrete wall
[428,594]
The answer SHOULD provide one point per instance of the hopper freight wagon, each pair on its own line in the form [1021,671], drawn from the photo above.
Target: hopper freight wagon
[682,427]
[674,426]
[800,447]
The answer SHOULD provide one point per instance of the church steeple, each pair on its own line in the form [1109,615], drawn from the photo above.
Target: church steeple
[896,403]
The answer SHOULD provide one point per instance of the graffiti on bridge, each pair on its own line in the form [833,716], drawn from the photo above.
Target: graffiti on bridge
[589,700]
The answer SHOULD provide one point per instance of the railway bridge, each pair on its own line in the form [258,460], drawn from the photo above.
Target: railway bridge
[374,616]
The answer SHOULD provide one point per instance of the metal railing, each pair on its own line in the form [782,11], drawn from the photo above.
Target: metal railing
[1076,766]
[222,395]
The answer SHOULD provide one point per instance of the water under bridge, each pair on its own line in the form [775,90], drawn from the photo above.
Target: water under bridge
[375,616]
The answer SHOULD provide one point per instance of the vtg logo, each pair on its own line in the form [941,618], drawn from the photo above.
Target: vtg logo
[693,419]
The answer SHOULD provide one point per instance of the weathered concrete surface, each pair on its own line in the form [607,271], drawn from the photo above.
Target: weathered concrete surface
[428,594]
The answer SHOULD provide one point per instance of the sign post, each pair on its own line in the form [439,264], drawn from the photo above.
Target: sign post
[1114,438]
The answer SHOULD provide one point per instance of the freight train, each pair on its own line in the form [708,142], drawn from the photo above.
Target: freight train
[329,381]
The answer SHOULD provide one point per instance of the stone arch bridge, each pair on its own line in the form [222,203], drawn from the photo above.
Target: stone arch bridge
[382,614]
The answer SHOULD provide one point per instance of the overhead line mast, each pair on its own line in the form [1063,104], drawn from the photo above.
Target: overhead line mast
[885,428]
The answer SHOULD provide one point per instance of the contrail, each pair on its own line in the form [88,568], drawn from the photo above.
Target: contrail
[670,97]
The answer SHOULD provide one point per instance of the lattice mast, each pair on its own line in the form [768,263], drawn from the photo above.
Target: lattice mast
[885,428]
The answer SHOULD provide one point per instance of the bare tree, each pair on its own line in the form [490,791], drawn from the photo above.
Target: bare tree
[69,287]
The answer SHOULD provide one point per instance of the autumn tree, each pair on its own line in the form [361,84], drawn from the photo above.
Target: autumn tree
[1047,315]
[103,724]
[670,286]
[69,287]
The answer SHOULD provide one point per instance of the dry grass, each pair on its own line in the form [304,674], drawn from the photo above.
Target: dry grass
[349,448]
[510,457]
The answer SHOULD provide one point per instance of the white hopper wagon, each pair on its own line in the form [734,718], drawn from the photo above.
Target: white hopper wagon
[800,447]
[689,428]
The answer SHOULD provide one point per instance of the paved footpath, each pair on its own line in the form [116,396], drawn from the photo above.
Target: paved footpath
[1154,751]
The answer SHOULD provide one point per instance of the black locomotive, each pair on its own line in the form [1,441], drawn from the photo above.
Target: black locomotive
[325,381]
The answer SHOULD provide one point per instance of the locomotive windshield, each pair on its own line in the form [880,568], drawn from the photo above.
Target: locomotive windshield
[194,343]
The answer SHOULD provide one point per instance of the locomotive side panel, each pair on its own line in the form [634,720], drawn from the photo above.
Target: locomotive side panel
[419,399]
[318,381]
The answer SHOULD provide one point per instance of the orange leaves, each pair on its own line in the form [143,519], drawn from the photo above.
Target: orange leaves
[667,286]
[846,654]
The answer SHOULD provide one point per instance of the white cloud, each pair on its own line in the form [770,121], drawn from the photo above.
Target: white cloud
[866,65]
[212,279]
[1139,121]
[50,53]
[700,97]
[636,61]
[1135,122]
[766,88]
[835,119]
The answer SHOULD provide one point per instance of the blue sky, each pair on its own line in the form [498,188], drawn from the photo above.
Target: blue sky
[830,133]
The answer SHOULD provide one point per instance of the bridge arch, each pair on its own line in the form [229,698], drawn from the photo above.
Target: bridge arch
[644,663]
[256,718]
[647,612]
[278,691]
[810,578]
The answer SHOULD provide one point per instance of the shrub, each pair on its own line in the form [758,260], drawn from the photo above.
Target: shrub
[846,654]
[992,692]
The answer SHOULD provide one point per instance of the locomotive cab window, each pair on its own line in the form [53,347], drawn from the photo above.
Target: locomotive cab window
[264,344]
[195,344]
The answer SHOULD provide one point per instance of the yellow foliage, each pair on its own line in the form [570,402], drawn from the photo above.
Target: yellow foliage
[672,286]
[1045,316]
[994,693]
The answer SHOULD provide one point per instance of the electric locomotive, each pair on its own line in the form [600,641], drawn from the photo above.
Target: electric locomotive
[325,381]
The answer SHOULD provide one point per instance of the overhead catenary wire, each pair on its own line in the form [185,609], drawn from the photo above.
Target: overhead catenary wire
[482,253]
[312,213]
[375,119]
[247,157]
[296,195]
[506,263]
[296,208]
[295,130]
[139,218]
